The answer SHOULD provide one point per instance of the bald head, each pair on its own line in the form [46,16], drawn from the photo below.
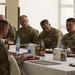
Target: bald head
[2,17]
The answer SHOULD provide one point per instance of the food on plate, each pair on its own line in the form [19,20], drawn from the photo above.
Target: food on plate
[29,56]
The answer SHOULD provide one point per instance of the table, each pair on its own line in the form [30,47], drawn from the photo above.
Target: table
[13,49]
[14,66]
[59,69]
[29,68]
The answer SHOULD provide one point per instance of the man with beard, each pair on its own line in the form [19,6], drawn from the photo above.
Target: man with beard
[50,35]
[69,38]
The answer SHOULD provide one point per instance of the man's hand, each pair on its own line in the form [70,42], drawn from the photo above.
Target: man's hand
[48,40]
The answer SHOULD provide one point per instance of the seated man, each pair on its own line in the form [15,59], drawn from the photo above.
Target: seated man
[69,38]
[11,32]
[4,62]
[26,33]
[50,35]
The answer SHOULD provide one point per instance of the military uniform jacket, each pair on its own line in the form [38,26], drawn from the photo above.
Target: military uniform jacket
[4,62]
[28,35]
[11,33]
[56,36]
[68,40]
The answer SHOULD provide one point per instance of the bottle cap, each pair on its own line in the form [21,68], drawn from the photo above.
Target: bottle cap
[29,51]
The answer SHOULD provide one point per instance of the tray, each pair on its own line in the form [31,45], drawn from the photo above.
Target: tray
[36,58]
[23,45]
[12,44]
[71,55]
[72,64]
[49,52]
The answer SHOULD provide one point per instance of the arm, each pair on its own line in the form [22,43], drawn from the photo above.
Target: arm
[46,40]
[35,35]
[4,62]
[56,39]
[11,33]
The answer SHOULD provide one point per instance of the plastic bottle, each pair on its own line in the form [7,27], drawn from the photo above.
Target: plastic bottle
[63,55]
[42,48]
[29,49]
[29,54]
[17,45]
[7,43]
[61,45]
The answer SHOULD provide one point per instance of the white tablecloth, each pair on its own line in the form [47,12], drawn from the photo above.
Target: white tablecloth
[15,70]
[13,49]
[28,68]
[60,69]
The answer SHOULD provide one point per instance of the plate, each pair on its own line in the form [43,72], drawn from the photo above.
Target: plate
[70,55]
[36,58]
[49,51]
[72,64]
[23,45]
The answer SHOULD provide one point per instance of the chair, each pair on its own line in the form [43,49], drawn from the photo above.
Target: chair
[14,68]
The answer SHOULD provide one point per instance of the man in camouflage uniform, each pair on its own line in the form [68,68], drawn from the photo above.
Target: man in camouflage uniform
[4,62]
[11,32]
[50,35]
[69,38]
[26,33]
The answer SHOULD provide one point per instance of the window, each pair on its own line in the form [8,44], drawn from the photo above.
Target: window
[66,10]
[37,10]
[2,7]
[67,2]
[2,1]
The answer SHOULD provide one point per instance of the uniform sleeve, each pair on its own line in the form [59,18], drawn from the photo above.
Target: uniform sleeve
[68,41]
[34,36]
[4,62]
[11,33]
[57,36]
[2,70]
[22,36]
[40,36]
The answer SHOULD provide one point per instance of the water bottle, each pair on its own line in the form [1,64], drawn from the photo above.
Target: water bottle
[42,48]
[7,43]
[61,45]
[29,49]
[63,55]
[17,45]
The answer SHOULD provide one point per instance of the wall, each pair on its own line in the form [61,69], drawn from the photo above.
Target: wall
[37,10]
[12,12]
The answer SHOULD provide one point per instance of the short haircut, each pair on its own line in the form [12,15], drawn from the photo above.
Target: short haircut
[3,24]
[22,16]
[71,19]
[43,22]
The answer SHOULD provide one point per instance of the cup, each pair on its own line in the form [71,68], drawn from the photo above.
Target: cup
[56,53]
[32,48]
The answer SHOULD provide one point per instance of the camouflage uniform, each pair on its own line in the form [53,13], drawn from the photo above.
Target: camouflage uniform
[28,35]
[68,40]
[4,62]
[11,33]
[56,36]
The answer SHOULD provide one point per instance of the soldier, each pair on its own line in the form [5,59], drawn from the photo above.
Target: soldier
[4,62]
[69,38]
[26,33]
[11,32]
[50,35]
